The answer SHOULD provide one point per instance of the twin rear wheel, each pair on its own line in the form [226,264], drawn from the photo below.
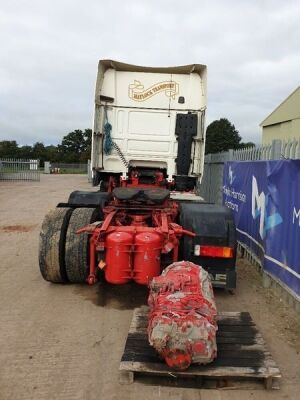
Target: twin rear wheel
[63,254]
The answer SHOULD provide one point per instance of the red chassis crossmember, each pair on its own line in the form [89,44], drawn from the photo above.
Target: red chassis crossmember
[129,243]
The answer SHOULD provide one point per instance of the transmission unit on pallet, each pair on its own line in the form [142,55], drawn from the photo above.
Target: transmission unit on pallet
[147,161]
[182,321]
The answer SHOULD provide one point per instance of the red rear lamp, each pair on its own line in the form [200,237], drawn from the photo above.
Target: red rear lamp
[213,251]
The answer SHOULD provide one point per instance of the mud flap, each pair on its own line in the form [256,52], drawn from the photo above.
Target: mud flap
[214,226]
[80,198]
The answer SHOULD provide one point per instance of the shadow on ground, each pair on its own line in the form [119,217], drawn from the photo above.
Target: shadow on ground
[120,297]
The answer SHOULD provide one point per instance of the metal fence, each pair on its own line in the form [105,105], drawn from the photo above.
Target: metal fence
[68,168]
[19,170]
[212,181]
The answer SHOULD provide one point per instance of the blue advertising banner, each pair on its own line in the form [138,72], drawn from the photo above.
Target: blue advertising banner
[265,199]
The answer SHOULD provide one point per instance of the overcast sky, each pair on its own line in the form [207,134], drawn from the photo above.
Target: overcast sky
[50,50]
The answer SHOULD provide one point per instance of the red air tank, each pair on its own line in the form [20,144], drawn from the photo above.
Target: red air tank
[118,257]
[146,257]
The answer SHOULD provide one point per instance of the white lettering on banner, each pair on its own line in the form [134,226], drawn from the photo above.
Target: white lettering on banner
[231,205]
[296,215]
[230,192]
[258,205]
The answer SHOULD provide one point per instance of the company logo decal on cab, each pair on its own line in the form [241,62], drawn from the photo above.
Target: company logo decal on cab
[137,92]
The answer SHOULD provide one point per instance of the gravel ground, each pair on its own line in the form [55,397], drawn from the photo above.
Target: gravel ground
[65,341]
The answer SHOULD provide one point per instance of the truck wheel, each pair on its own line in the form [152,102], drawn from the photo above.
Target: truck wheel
[96,178]
[103,186]
[52,245]
[77,245]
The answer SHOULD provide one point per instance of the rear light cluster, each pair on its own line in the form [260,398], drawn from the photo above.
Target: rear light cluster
[213,251]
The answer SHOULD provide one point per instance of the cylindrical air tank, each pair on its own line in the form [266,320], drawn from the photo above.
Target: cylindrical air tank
[118,257]
[146,263]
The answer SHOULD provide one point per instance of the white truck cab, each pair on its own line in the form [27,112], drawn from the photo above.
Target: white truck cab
[149,121]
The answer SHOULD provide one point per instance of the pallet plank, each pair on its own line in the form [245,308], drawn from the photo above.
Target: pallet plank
[242,352]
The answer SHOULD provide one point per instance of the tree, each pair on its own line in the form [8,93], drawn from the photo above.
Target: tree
[52,153]
[86,154]
[75,146]
[73,142]
[39,152]
[9,149]
[25,152]
[221,135]
[247,144]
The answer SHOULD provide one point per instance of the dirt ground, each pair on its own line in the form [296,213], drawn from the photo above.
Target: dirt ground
[65,341]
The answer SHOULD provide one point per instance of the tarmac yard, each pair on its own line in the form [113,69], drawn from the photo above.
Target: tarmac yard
[66,341]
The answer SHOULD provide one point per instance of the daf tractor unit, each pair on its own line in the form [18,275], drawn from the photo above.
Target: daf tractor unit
[144,211]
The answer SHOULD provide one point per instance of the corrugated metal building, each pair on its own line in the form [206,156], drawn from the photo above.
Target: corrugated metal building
[284,122]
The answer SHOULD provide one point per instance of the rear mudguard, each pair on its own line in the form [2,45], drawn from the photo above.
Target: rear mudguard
[214,225]
[80,198]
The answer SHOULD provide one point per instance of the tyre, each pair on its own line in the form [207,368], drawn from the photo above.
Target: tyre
[52,245]
[77,245]
[103,186]
[96,179]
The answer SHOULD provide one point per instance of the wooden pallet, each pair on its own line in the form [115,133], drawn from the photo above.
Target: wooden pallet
[242,356]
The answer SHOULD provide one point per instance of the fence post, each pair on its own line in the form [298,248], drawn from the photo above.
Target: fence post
[47,167]
[276,149]
[89,172]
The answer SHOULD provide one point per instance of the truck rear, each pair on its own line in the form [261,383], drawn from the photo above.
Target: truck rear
[147,162]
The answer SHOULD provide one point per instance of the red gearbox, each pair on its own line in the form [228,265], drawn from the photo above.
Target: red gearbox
[182,321]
